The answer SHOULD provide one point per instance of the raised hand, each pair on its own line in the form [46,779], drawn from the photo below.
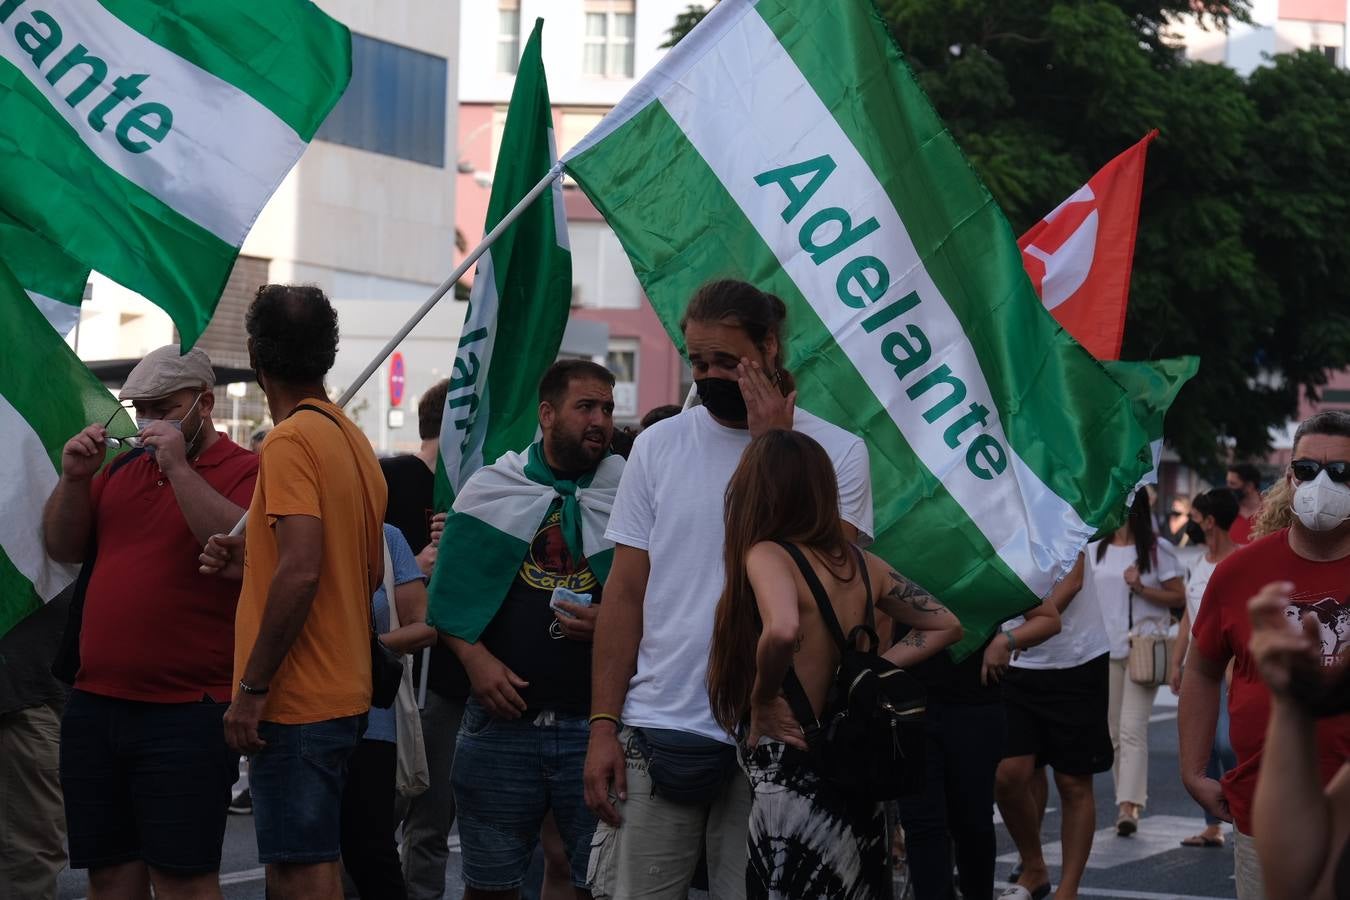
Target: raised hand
[766,407]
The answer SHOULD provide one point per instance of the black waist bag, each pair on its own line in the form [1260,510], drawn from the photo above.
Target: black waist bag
[869,741]
[684,767]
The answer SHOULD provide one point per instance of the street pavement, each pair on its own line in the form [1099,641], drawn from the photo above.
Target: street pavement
[1149,866]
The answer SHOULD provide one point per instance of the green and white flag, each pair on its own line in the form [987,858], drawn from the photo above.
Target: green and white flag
[497,516]
[1153,385]
[786,142]
[145,137]
[522,292]
[46,396]
[53,281]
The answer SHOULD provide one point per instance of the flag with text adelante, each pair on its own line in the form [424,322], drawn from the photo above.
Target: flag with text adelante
[144,138]
[1080,255]
[998,446]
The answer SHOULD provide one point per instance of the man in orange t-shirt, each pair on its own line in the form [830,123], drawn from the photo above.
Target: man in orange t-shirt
[312,557]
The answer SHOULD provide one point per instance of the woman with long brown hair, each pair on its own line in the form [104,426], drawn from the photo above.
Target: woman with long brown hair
[783,501]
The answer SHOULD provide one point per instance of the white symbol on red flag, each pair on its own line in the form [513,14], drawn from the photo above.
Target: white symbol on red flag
[1079,256]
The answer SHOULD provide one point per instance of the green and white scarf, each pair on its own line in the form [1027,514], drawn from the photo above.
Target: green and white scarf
[495,518]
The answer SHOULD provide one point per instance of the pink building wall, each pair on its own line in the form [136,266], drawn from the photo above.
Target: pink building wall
[1313,10]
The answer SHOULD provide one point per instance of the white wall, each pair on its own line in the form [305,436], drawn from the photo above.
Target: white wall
[564,30]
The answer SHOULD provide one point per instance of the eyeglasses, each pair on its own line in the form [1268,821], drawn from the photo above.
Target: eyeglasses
[113,441]
[1308,469]
[1176,513]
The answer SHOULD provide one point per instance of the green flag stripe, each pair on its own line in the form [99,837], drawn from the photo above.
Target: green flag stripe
[140,242]
[39,265]
[281,54]
[983,590]
[37,360]
[17,597]
[497,559]
[1028,397]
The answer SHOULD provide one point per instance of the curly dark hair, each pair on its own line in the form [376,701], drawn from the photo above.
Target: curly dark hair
[294,331]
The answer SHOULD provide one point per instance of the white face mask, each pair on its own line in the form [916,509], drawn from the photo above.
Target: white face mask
[144,422]
[1321,504]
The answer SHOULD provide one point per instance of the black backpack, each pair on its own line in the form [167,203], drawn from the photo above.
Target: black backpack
[869,741]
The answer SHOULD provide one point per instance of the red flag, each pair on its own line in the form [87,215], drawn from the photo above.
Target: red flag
[1079,256]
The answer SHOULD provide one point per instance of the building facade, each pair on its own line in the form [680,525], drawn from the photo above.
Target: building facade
[594,52]
[1277,26]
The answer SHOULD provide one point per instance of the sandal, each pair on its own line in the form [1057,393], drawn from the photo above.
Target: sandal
[1202,840]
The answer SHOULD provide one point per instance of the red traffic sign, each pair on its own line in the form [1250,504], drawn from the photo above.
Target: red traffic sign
[396,379]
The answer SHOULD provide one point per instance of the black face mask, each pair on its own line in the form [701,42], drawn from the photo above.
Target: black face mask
[723,398]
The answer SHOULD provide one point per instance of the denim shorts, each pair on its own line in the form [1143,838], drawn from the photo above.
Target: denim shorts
[296,782]
[508,775]
[145,781]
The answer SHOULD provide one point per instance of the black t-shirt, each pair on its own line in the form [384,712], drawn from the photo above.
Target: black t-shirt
[954,682]
[411,488]
[523,636]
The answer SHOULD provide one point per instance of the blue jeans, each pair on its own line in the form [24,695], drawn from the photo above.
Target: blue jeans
[1221,756]
[297,782]
[508,774]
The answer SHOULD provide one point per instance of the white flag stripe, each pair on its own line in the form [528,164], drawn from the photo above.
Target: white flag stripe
[559,205]
[660,78]
[773,106]
[462,453]
[26,480]
[235,149]
[63,316]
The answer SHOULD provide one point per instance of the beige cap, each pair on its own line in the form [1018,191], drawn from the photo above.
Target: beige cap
[164,371]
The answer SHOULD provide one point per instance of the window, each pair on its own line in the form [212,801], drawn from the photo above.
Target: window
[622,360]
[395,103]
[1331,52]
[608,48]
[508,36]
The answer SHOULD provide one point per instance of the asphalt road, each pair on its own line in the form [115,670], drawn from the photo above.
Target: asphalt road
[1148,866]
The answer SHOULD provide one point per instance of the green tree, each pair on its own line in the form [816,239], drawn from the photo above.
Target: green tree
[1242,248]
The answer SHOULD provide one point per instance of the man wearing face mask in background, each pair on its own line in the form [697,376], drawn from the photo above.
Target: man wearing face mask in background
[649,684]
[1313,554]
[144,765]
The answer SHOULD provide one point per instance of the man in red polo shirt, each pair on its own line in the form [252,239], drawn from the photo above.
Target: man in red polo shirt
[1313,554]
[145,769]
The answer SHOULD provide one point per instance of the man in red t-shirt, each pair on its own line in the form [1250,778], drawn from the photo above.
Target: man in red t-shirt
[1314,555]
[145,769]
[1244,480]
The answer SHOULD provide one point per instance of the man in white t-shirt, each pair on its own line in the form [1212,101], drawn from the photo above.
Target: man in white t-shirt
[650,694]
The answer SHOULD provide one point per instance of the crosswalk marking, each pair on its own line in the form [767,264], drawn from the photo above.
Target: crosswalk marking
[1157,834]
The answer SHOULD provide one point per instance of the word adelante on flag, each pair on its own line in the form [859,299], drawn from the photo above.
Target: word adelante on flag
[84,72]
[163,127]
[906,348]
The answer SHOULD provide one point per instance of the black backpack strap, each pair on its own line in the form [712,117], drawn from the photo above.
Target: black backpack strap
[818,594]
[793,691]
[364,494]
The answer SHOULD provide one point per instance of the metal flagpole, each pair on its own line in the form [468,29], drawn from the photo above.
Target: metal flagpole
[488,240]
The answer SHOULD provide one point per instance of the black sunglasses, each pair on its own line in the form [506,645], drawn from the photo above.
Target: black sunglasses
[1308,469]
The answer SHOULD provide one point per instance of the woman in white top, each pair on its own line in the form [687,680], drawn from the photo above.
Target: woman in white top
[1137,581]
[1214,513]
